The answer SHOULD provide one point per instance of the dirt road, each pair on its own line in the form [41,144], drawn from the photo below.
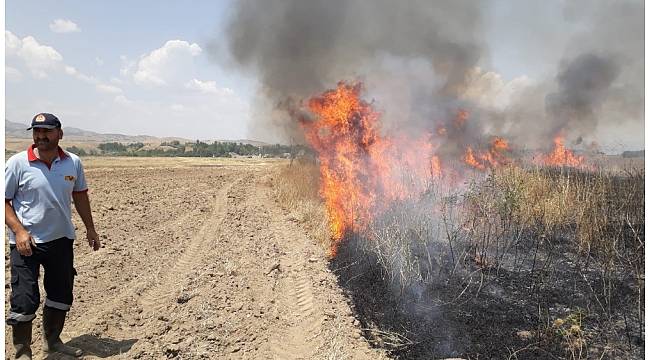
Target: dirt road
[200,262]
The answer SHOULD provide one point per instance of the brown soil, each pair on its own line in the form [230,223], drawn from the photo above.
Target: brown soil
[200,262]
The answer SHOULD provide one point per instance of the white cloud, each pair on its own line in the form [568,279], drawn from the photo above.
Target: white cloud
[202,86]
[13,74]
[37,54]
[207,87]
[165,65]
[126,66]
[12,43]
[99,61]
[122,100]
[70,70]
[39,59]
[177,107]
[64,26]
[110,89]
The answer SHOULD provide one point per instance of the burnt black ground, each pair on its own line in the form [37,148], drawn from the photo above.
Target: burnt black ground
[496,313]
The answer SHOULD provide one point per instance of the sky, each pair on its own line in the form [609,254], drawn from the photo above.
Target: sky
[124,67]
[162,68]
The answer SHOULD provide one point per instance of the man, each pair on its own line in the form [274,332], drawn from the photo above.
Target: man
[39,185]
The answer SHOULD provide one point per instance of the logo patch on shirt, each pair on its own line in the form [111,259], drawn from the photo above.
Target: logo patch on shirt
[69,178]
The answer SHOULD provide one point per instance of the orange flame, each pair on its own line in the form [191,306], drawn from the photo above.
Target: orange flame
[361,170]
[561,156]
[492,158]
[470,159]
[500,144]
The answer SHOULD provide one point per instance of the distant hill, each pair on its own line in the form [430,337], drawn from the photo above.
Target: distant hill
[17,131]
[13,129]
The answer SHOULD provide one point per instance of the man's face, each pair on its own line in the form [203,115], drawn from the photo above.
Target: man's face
[47,139]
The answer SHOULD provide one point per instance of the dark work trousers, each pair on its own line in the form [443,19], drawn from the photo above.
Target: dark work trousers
[57,258]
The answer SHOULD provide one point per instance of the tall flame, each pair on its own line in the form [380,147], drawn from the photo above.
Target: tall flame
[362,171]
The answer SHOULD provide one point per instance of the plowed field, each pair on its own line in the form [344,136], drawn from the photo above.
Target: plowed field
[199,261]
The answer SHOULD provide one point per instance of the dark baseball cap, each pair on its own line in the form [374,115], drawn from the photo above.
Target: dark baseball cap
[45,121]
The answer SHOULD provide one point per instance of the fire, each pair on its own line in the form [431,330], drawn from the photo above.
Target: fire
[500,144]
[470,159]
[461,118]
[362,171]
[494,157]
[561,156]
[436,168]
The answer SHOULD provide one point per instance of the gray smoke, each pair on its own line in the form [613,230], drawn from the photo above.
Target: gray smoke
[300,48]
[598,88]
[584,85]
[418,58]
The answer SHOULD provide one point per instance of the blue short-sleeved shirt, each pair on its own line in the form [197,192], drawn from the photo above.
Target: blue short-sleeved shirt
[41,193]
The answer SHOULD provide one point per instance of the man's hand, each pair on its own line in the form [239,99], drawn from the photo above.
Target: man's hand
[24,242]
[93,239]
[82,204]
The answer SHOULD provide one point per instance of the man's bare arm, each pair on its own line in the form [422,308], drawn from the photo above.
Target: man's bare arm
[82,204]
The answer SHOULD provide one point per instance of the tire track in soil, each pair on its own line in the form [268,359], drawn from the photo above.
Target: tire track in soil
[304,331]
[296,342]
[301,339]
[248,313]
[138,291]
[159,297]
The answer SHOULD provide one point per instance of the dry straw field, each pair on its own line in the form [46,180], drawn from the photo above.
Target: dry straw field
[523,263]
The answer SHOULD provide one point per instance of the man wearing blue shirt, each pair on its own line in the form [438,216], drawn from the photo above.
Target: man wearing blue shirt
[39,186]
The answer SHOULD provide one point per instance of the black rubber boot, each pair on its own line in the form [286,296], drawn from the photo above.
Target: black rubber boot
[22,339]
[53,321]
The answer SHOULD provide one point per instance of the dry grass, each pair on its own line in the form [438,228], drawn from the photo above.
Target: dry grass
[596,209]
[591,224]
[560,226]
[295,187]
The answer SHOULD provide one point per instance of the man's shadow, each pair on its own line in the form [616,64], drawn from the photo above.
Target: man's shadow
[97,347]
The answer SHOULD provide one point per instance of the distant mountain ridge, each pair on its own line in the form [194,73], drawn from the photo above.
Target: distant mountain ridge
[18,131]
